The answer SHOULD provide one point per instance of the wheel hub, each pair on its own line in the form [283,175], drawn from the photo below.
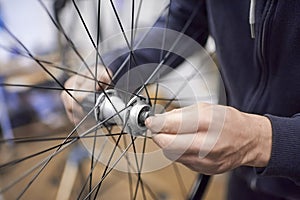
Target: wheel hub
[111,109]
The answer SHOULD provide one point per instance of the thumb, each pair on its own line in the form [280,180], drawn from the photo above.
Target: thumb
[169,122]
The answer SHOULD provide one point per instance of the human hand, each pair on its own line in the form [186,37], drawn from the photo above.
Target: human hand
[212,139]
[86,82]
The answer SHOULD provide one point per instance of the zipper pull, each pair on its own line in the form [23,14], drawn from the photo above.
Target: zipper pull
[252,18]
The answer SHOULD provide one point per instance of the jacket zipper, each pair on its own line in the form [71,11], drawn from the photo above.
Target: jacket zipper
[261,53]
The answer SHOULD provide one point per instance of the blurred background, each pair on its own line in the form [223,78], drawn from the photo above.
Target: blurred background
[30,103]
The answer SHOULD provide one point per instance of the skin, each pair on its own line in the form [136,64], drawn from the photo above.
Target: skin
[242,139]
[74,111]
[209,139]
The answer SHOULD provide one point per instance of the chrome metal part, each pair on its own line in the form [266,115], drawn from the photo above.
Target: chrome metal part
[111,107]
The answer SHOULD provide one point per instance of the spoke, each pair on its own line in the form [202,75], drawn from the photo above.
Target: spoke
[109,171]
[137,166]
[60,28]
[45,162]
[155,97]
[165,31]
[123,32]
[192,75]
[39,63]
[96,47]
[95,85]
[138,43]
[189,21]
[179,179]
[20,160]
[92,163]
[109,161]
[132,168]
[58,150]
[96,75]
[63,68]
[141,165]
[130,181]
[140,171]
[46,88]
[43,139]
[180,99]
[137,18]
[91,171]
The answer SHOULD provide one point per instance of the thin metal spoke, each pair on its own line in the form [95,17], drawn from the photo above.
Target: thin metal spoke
[179,180]
[109,171]
[165,32]
[132,168]
[109,161]
[130,181]
[46,88]
[106,170]
[46,161]
[60,28]
[179,99]
[137,18]
[190,77]
[63,146]
[137,166]
[63,68]
[92,169]
[138,43]
[20,160]
[96,47]
[158,68]
[39,63]
[43,139]
[155,97]
[141,165]
[123,32]
[96,75]
[76,51]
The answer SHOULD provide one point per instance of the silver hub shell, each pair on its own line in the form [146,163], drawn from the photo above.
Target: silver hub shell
[113,110]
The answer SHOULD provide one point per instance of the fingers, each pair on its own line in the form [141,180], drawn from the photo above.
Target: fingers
[167,122]
[177,145]
[181,132]
[86,86]
[185,120]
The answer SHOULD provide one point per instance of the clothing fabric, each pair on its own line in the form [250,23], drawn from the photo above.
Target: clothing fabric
[261,75]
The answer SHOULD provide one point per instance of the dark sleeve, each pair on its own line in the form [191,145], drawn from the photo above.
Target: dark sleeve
[188,17]
[285,156]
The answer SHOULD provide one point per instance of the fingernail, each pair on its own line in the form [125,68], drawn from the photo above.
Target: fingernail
[148,121]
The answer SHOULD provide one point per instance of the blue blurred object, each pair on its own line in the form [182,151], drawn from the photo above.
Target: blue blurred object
[1,19]
[4,117]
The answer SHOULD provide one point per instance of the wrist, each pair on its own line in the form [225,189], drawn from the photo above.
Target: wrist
[260,127]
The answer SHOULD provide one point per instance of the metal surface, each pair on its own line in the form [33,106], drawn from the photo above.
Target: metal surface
[131,115]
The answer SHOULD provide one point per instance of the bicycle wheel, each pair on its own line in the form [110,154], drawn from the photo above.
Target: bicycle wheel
[108,154]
